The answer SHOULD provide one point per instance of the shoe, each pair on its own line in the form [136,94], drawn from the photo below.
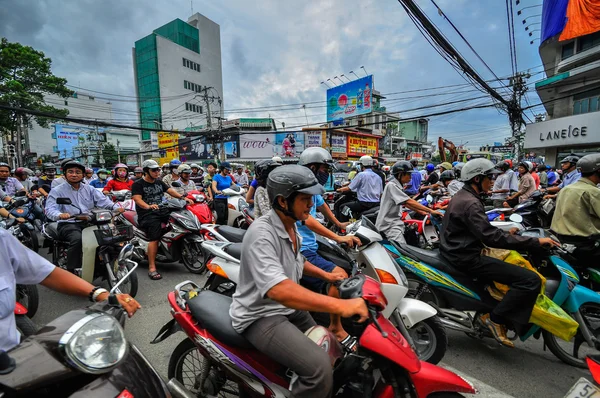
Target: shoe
[498,331]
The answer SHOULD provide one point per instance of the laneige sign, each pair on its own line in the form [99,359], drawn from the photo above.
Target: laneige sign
[572,130]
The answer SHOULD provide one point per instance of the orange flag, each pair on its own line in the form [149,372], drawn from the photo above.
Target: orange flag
[583,18]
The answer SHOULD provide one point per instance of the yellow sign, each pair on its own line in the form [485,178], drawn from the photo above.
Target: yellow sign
[360,146]
[168,146]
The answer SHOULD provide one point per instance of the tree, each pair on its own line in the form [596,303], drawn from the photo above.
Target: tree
[25,77]
[109,153]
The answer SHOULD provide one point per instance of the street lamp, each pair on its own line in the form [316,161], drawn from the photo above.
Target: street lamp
[332,82]
[533,31]
[335,77]
[363,68]
[342,75]
[531,16]
[531,42]
[354,74]
[524,8]
[326,85]
[532,24]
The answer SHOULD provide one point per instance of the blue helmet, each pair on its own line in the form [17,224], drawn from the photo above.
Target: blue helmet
[174,163]
[430,167]
[455,163]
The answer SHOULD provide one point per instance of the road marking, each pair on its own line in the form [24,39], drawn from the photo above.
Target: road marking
[485,390]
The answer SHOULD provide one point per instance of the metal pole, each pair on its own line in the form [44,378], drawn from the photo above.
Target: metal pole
[118,152]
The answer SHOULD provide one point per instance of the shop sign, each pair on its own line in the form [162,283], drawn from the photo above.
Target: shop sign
[360,146]
[572,130]
[257,146]
[338,145]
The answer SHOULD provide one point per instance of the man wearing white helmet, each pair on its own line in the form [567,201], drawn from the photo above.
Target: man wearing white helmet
[197,174]
[368,188]
[186,182]
[466,231]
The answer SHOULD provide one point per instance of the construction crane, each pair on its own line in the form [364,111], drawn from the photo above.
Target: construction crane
[449,145]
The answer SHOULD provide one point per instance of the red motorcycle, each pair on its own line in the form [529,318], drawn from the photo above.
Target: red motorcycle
[200,207]
[216,360]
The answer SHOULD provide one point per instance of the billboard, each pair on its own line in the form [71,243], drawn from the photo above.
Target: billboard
[360,145]
[168,146]
[316,139]
[201,150]
[67,139]
[338,145]
[257,146]
[350,99]
[289,145]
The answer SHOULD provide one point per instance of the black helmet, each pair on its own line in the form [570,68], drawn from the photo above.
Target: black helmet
[414,162]
[570,159]
[287,180]
[48,166]
[447,175]
[402,166]
[72,164]
[589,163]
[457,168]
[504,166]
[264,167]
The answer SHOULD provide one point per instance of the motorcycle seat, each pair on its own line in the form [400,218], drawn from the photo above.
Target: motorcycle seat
[433,258]
[51,230]
[234,250]
[371,211]
[211,310]
[231,234]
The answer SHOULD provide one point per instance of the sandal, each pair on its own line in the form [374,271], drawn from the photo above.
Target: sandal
[154,275]
[349,343]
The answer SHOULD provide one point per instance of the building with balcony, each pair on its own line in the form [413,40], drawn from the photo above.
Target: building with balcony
[571,91]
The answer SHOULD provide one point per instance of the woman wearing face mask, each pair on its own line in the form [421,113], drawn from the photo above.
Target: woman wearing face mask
[101,181]
[121,180]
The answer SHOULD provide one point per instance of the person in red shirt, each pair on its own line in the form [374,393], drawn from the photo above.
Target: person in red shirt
[121,180]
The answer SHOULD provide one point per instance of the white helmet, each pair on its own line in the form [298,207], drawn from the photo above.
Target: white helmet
[277,159]
[366,161]
[477,167]
[184,168]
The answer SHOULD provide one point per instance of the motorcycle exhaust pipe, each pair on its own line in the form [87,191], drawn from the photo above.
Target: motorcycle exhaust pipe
[179,391]
[450,324]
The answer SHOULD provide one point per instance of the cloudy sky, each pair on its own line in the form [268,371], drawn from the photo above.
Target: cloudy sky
[278,51]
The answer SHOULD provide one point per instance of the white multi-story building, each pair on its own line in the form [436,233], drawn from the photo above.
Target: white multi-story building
[177,68]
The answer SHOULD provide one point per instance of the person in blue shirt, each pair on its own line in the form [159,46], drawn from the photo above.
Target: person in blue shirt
[320,162]
[570,175]
[368,188]
[552,175]
[220,182]
[414,186]
[102,179]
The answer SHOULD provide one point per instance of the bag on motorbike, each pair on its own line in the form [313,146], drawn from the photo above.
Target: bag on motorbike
[549,316]
[515,258]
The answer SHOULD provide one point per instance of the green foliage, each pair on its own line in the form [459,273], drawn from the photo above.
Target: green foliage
[109,153]
[25,77]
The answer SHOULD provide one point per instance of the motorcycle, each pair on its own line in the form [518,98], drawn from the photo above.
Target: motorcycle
[583,387]
[123,197]
[200,208]
[456,296]
[105,251]
[25,232]
[180,242]
[80,353]
[235,206]
[418,322]
[215,359]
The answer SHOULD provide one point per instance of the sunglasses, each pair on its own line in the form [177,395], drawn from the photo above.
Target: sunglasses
[155,170]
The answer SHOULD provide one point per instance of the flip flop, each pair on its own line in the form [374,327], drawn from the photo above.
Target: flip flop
[349,343]
[154,275]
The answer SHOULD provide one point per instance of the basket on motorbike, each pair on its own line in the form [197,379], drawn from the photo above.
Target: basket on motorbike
[114,234]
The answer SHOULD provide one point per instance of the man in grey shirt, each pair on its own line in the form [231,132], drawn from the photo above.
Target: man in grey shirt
[269,306]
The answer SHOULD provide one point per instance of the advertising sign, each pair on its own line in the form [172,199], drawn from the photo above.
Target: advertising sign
[168,146]
[289,145]
[314,138]
[338,145]
[351,99]
[581,129]
[201,150]
[257,146]
[360,146]
[67,139]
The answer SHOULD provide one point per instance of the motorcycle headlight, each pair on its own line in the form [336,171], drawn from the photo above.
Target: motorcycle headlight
[403,279]
[95,344]
[189,223]
[103,215]
[199,198]
[242,203]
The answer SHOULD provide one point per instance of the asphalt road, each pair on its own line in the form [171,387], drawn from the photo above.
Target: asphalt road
[526,371]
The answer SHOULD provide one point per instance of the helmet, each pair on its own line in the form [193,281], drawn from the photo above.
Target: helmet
[430,167]
[446,166]
[589,163]
[455,163]
[88,170]
[286,180]
[225,165]
[548,167]
[458,168]
[65,161]
[23,172]
[48,166]
[139,170]
[366,161]
[194,166]
[277,159]
[71,164]
[264,167]
[502,166]
[477,167]
[184,168]
[165,166]
[447,175]
[2,164]
[509,162]
[570,159]
[150,164]
[315,155]
[541,167]
[102,171]
[401,167]
[120,166]
[527,165]
[174,163]
[414,162]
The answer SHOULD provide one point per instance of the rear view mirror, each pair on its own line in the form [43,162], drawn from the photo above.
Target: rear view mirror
[20,194]
[176,184]
[63,201]
[516,218]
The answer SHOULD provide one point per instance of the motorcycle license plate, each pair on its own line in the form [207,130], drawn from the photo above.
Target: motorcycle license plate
[583,389]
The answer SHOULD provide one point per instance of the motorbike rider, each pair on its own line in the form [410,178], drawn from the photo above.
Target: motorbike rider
[377,170]
[148,193]
[514,179]
[543,176]
[211,170]
[262,203]
[389,220]
[527,185]
[186,182]
[241,178]
[22,174]
[368,188]
[466,231]
[501,188]
[269,307]
[138,173]
[8,184]
[576,218]
[84,198]
[121,180]
[414,185]
[220,182]
[23,266]
[173,173]
[165,170]
[197,174]
[89,175]
[552,176]
[432,176]
[102,179]
[448,179]
[570,175]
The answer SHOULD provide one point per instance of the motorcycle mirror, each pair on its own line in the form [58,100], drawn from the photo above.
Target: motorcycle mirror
[63,201]
[517,218]
[21,194]
[176,184]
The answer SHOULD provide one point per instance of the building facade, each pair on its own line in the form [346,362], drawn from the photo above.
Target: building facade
[178,76]
[571,91]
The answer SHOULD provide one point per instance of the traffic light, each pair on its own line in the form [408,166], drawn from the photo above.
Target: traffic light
[11,151]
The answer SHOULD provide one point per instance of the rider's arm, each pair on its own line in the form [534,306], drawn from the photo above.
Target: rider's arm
[139,202]
[319,229]
[414,205]
[101,200]
[173,192]
[52,209]
[214,186]
[108,187]
[324,208]
[250,195]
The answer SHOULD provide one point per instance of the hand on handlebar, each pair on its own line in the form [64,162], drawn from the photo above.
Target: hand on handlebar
[64,216]
[129,304]
[437,214]
[153,207]
[189,201]
[349,240]
[355,307]
[549,243]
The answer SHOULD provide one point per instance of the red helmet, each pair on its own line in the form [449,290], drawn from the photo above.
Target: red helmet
[23,172]
[509,163]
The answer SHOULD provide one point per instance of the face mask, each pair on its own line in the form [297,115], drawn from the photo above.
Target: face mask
[322,177]
[122,174]
[176,172]
[102,176]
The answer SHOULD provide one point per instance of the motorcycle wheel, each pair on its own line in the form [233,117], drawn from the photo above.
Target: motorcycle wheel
[430,339]
[130,286]
[29,296]
[30,239]
[186,365]
[25,326]
[575,351]
[193,257]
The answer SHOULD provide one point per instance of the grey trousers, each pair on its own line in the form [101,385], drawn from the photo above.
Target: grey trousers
[282,339]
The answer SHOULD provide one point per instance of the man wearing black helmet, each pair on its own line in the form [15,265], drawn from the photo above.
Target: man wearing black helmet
[389,220]
[83,199]
[570,175]
[269,307]
[466,231]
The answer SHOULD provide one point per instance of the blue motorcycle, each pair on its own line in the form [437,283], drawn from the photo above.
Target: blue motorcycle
[456,296]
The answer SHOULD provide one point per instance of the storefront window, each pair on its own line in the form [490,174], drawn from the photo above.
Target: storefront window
[586,102]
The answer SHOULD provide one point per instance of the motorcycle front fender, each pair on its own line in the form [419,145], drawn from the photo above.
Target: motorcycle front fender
[579,296]
[432,379]
[414,311]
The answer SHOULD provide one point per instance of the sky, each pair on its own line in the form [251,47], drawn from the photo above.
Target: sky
[278,52]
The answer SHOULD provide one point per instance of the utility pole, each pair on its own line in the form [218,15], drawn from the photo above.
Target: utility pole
[18,154]
[118,152]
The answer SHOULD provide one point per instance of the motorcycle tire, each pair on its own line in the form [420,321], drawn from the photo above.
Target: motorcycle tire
[133,283]
[193,257]
[29,296]
[25,326]
[436,339]
[31,239]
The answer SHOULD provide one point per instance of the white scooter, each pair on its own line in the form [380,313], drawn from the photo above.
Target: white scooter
[236,203]
[416,319]
[123,198]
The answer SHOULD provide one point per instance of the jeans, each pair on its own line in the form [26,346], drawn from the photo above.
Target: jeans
[310,282]
[282,339]
[71,232]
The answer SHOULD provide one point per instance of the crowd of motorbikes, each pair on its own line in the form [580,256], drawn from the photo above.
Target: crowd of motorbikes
[412,293]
